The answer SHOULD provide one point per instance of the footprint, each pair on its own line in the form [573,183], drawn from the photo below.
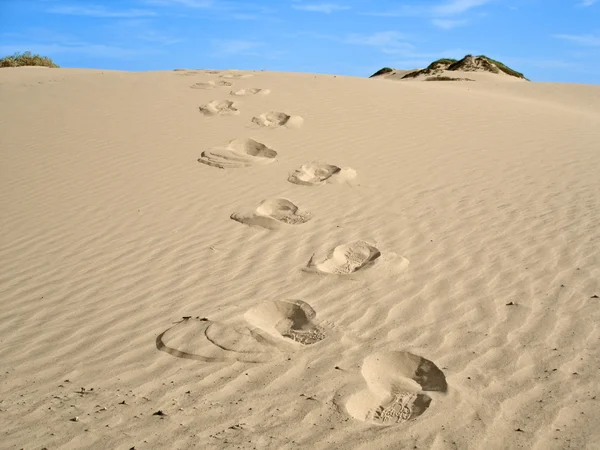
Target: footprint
[396,382]
[317,173]
[356,256]
[253,91]
[271,213]
[288,319]
[219,108]
[211,84]
[274,119]
[238,153]
[235,75]
[205,340]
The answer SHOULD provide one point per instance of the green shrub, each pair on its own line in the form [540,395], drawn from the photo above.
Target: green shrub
[26,59]
[443,78]
[444,61]
[382,71]
[505,69]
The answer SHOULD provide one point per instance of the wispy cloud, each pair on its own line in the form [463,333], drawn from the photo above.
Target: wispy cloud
[389,42]
[141,30]
[456,7]
[188,3]
[447,8]
[99,11]
[541,63]
[588,40]
[586,3]
[80,48]
[445,15]
[221,9]
[448,24]
[234,46]
[326,8]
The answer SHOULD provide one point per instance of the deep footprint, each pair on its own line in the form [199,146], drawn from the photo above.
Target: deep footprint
[289,319]
[238,153]
[271,213]
[396,381]
[205,340]
[219,108]
[345,259]
[274,119]
[317,174]
[357,256]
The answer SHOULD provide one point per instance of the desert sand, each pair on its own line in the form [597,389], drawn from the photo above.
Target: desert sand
[258,260]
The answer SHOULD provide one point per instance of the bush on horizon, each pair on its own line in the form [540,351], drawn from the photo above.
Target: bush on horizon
[27,59]
[382,72]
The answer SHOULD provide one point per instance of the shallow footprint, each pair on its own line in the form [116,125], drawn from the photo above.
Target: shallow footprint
[275,119]
[235,75]
[253,91]
[355,256]
[316,174]
[238,153]
[205,340]
[396,381]
[290,319]
[273,212]
[219,108]
[211,84]
[397,407]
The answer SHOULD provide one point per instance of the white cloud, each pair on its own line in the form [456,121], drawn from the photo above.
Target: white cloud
[456,7]
[234,46]
[226,9]
[326,8]
[586,3]
[448,24]
[188,3]
[589,40]
[541,63]
[390,42]
[100,12]
[83,48]
[445,9]
[140,30]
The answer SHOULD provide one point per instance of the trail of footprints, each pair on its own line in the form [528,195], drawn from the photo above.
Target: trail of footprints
[397,382]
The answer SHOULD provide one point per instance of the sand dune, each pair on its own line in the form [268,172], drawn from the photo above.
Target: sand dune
[136,313]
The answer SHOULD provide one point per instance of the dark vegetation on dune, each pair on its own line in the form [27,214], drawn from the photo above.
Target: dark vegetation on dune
[469,63]
[507,70]
[27,59]
[444,78]
[382,72]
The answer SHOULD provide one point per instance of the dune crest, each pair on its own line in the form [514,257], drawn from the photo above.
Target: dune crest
[447,300]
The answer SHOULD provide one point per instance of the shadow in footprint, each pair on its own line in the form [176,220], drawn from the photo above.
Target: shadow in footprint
[396,383]
[238,153]
[317,173]
[353,257]
[288,319]
[219,108]
[274,119]
[205,340]
[272,214]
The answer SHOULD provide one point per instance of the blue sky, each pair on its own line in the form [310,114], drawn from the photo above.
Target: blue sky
[548,40]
